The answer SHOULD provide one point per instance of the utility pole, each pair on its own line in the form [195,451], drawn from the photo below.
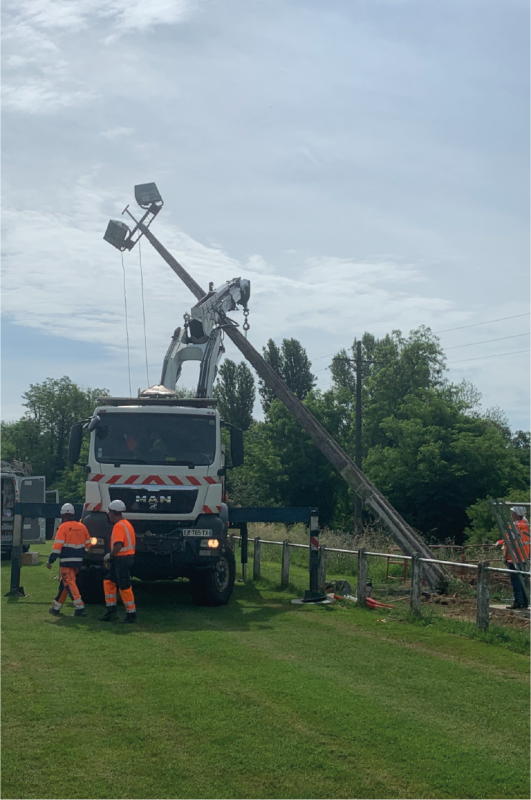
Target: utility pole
[357,444]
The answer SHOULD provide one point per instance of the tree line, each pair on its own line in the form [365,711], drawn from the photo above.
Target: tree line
[427,445]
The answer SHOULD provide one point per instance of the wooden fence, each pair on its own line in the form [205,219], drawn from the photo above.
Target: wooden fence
[483,569]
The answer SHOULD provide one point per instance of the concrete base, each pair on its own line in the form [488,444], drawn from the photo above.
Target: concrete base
[31,558]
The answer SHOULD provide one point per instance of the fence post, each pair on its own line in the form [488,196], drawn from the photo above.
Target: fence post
[361,593]
[284,576]
[313,564]
[256,558]
[321,580]
[483,589]
[416,586]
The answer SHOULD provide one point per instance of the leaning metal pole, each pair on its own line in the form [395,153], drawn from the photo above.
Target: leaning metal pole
[410,542]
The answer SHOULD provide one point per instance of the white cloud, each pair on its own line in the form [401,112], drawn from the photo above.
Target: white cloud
[75,15]
[43,73]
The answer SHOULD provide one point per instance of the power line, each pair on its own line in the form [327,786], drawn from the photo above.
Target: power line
[485,341]
[494,355]
[460,328]
[487,322]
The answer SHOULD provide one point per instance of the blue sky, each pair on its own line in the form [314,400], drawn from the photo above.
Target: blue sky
[364,164]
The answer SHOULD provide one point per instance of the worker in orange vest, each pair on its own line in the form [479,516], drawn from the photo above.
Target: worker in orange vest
[119,560]
[71,541]
[521,597]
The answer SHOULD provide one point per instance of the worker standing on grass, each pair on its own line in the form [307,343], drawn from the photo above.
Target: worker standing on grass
[119,561]
[521,600]
[71,541]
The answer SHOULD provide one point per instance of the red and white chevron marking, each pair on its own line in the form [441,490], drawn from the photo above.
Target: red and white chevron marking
[159,480]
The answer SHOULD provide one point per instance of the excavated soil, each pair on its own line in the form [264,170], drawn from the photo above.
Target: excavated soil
[465,609]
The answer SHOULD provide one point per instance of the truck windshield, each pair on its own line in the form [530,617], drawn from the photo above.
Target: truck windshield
[180,439]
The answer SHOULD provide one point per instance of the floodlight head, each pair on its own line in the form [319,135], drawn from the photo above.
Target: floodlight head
[146,194]
[116,233]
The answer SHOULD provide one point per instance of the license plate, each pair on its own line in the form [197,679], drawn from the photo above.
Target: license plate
[196,532]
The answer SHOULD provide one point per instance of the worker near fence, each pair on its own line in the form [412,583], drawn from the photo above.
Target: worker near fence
[521,596]
[71,541]
[119,562]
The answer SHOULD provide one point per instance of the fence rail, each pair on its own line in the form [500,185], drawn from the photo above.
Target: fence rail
[483,569]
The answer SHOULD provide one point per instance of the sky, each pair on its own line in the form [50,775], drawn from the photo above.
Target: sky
[365,164]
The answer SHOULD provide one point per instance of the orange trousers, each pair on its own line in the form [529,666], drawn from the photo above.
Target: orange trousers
[68,586]
[119,577]
[111,598]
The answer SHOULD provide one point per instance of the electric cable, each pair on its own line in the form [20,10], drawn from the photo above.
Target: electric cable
[485,341]
[487,322]
[126,328]
[494,355]
[143,311]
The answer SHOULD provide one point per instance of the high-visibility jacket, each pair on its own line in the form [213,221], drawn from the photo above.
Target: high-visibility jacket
[71,541]
[124,532]
[523,527]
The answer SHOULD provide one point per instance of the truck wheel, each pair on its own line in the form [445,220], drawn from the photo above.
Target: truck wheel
[91,587]
[213,587]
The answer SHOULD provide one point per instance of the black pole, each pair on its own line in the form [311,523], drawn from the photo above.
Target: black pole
[313,594]
[15,589]
[357,446]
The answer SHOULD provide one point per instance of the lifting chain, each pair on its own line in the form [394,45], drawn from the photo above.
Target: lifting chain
[246,325]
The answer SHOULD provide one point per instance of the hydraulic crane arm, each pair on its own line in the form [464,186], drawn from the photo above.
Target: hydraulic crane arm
[201,337]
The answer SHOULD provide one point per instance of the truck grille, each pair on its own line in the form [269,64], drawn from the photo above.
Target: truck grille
[155,501]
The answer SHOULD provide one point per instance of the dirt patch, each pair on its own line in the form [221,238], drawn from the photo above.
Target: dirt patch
[465,609]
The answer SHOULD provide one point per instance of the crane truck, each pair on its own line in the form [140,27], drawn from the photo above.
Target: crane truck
[123,238]
[163,456]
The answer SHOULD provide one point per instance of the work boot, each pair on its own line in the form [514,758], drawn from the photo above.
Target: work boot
[109,615]
[54,612]
[129,619]
[514,606]
[80,612]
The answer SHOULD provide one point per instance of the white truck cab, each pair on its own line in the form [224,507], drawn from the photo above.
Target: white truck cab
[163,457]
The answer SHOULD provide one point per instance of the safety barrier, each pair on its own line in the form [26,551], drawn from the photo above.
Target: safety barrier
[483,569]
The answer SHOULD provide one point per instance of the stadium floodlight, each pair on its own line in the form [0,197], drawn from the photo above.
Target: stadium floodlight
[119,234]
[147,194]
[116,233]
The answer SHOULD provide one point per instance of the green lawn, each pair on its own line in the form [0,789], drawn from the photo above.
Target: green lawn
[258,699]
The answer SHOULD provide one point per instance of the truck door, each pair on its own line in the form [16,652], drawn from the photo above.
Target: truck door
[32,490]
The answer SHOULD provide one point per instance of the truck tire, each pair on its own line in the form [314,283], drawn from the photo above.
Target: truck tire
[213,587]
[90,585]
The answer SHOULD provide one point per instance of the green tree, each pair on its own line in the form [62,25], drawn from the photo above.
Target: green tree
[292,364]
[235,393]
[41,436]
[435,461]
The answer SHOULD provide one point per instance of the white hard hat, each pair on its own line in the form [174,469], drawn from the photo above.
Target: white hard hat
[520,510]
[117,505]
[68,508]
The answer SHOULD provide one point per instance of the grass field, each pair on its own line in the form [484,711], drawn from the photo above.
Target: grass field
[260,699]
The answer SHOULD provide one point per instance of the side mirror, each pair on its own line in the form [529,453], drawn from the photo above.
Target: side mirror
[236,446]
[74,443]
[94,422]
